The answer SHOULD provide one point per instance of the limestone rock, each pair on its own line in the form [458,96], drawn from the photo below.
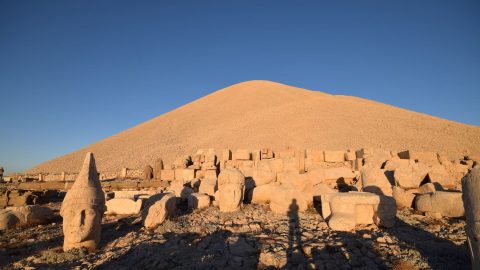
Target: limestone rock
[263,175]
[83,208]
[427,188]
[288,199]
[448,204]
[439,174]
[375,181]
[352,208]
[24,216]
[198,201]
[402,197]
[208,186]
[241,154]
[148,172]
[471,200]
[294,179]
[231,187]
[157,169]
[158,208]
[123,206]
[411,176]
[182,162]
[180,190]
[263,194]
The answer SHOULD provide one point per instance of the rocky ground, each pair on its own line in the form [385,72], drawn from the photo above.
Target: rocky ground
[252,238]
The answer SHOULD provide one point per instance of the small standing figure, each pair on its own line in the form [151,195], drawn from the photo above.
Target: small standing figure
[1,173]
[148,172]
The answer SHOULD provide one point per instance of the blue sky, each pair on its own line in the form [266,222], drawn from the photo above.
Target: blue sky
[75,72]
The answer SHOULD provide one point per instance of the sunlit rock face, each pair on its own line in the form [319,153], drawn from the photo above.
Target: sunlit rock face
[82,209]
[471,201]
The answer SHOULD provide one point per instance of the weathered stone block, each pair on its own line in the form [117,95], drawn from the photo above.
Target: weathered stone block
[198,201]
[448,204]
[210,174]
[349,209]
[266,153]
[402,197]
[428,158]
[158,208]
[375,181]
[241,154]
[334,156]
[411,176]
[208,186]
[123,207]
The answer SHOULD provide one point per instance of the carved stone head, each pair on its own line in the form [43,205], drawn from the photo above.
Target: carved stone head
[231,186]
[82,209]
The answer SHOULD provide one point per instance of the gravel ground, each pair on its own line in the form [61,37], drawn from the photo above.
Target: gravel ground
[249,239]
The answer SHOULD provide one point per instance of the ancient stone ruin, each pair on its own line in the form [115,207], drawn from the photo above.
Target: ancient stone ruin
[346,191]
[82,209]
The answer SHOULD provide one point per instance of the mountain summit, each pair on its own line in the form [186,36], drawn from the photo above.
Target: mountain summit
[260,114]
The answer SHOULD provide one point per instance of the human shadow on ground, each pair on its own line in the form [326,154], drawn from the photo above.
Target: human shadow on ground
[343,250]
[440,253]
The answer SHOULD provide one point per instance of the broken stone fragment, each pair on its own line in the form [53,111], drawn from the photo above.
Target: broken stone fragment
[24,216]
[148,172]
[198,201]
[157,209]
[402,197]
[374,180]
[157,169]
[123,206]
[411,176]
[448,204]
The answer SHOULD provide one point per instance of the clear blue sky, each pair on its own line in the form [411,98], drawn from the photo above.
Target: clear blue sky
[75,72]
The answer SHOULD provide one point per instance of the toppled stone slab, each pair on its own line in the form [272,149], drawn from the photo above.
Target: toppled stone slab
[123,207]
[24,216]
[157,209]
[198,201]
[448,204]
[352,208]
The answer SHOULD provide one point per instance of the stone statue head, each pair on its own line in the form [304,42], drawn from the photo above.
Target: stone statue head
[231,187]
[82,209]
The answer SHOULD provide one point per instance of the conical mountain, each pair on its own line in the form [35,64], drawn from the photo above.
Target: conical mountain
[258,114]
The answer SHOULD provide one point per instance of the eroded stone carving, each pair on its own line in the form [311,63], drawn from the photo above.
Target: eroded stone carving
[471,201]
[82,209]
[231,186]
